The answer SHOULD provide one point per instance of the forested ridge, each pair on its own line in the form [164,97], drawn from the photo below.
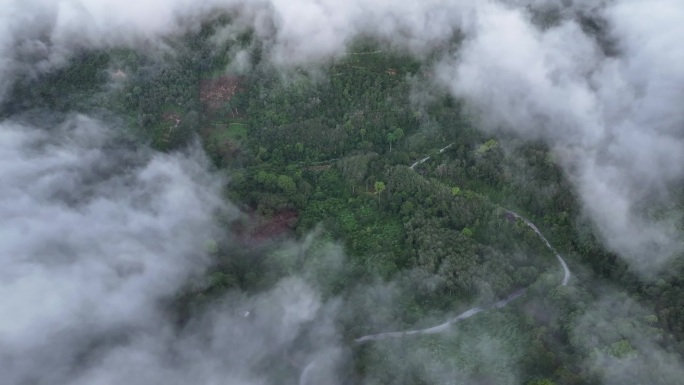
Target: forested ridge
[321,157]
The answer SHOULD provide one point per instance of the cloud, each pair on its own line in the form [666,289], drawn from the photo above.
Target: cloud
[40,35]
[98,233]
[620,344]
[98,236]
[614,121]
[604,96]
[94,234]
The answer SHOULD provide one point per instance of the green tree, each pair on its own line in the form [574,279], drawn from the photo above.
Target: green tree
[379,188]
[355,168]
[394,135]
[487,146]
[287,184]
[267,179]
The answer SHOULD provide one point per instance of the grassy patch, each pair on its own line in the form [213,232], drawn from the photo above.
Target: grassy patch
[237,131]
[228,132]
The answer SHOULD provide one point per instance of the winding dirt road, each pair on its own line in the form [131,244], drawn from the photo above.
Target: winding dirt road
[468,313]
[444,326]
[471,312]
[566,270]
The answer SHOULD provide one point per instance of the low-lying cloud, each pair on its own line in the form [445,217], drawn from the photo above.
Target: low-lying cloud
[621,344]
[98,236]
[97,233]
[611,114]
[614,121]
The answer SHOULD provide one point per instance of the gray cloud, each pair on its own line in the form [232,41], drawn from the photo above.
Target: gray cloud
[621,346]
[98,236]
[614,121]
[611,114]
[95,235]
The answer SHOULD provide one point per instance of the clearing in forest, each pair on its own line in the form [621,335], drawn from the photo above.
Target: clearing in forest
[215,92]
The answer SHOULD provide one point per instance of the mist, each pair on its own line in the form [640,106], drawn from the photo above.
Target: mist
[599,82]
[95,234]
[612,120]
[98,237]
[621,344]
[99,234]
[606,102]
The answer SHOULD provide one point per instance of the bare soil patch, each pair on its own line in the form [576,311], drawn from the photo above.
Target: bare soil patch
[215,92]
[258,230]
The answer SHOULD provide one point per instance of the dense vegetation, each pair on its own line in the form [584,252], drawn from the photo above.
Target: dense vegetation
[327,152]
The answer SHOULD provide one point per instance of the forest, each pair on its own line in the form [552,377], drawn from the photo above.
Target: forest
[327,161]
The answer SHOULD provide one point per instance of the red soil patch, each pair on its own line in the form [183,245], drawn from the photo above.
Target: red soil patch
[278,225]
[216,91]
[262,230]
